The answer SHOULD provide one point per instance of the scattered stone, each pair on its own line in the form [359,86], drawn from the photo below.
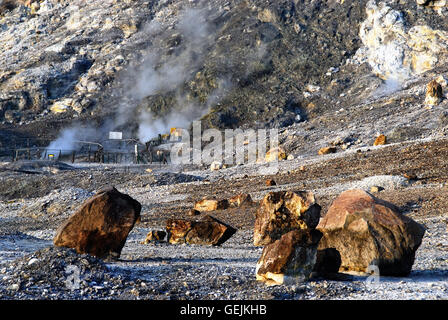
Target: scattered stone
[290,259]
[270,182]
[211,205]
[193,212]
[376,189]
[410,176]
[155,236]
[432,3]
[275,154]
[326,150]
[208,231]
[101,225]
[434,94]
[215,165]
[283,211]
[380,140]
[366,230]
[241,200]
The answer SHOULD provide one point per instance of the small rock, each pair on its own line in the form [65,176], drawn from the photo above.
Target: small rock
[270,182]
[326,150]
[434,94]
[376,189]
[380,140]
[410,176]
[155,236]
[193,212]
[215,165]
[240,200]
[211,205]
[275,154]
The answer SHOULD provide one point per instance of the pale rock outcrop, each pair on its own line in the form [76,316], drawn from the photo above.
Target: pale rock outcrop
[396,50]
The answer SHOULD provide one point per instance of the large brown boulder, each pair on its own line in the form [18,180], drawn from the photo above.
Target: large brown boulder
[101,225]
[284,211]
[368,231]
[208,231]
[290,259]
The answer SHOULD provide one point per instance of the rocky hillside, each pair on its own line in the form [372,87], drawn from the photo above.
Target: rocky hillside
[121,64]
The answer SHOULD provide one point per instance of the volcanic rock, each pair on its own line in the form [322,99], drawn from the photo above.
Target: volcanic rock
[211,205]
[101,225]
[193,212]
[275,154]
[432,3]
[434,93]
[241,200]
[155,236]
[326,150]
[368,231]
[208,231]
[380,140]
[290,259]
[284,211]
[215,165]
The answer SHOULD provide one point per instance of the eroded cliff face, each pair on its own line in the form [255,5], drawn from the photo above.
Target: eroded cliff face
[236,63]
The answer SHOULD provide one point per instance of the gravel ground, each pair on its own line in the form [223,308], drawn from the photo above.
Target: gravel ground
[31,268]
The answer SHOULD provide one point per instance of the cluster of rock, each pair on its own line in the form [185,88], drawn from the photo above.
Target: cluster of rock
[359,231]
[208,230]
[101,225]
[436,4]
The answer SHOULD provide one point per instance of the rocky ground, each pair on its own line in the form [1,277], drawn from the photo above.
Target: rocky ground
[325,73]
[29,219]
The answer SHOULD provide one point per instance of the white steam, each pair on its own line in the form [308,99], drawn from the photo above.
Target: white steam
[68,139]
[161,74]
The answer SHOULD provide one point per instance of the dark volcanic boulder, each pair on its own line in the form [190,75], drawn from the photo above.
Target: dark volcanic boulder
[283,211]
[101,225]
[208,231]
[369,231]
[290,259]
